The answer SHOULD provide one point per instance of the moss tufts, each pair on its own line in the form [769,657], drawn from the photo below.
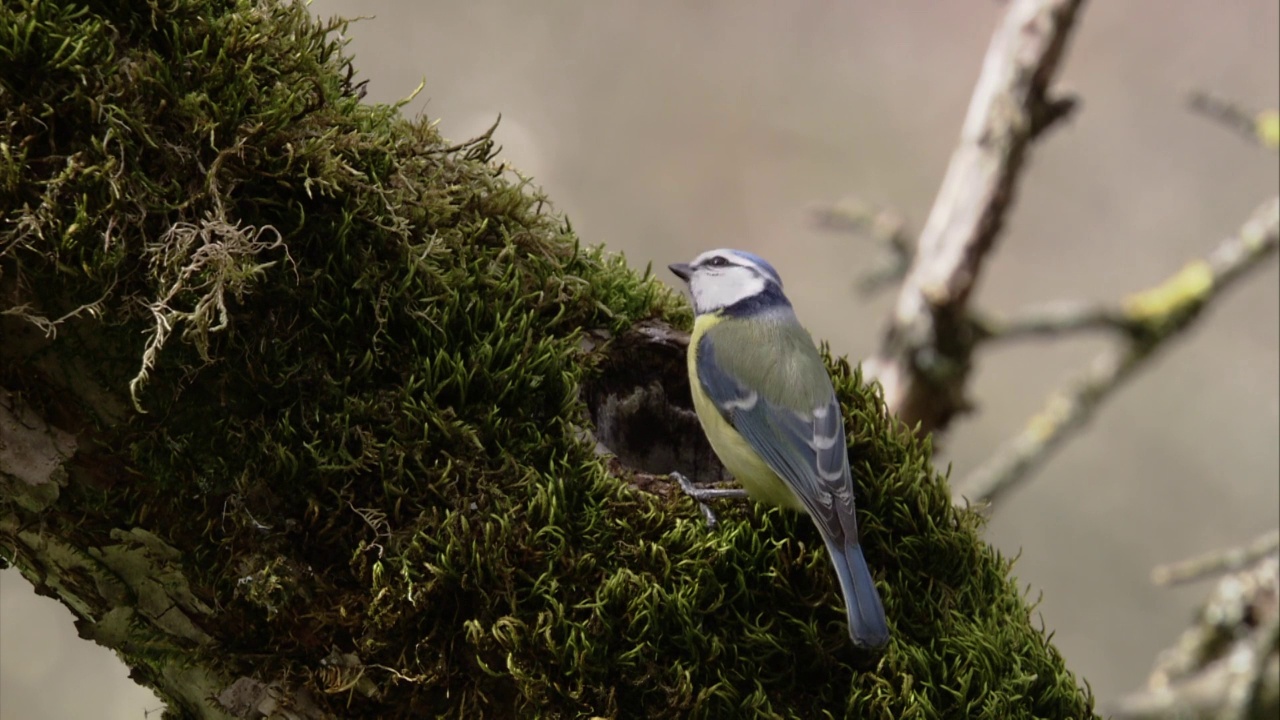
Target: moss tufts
[367,357]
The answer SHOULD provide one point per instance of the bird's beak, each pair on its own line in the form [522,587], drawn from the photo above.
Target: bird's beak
[684,271]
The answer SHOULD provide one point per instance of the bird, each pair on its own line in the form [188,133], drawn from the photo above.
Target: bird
[767,405]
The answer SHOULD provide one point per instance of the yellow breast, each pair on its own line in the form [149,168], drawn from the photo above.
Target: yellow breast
[739,458]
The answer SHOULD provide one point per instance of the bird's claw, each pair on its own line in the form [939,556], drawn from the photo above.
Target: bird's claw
[702,495]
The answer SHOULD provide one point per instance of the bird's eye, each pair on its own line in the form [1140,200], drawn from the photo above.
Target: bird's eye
[718,261]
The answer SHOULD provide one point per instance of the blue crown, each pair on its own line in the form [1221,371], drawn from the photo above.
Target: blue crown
[761,263]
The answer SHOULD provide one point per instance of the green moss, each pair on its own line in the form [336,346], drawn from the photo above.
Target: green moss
[359,352]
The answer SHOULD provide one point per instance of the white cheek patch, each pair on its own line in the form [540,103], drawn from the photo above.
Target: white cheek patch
[712,292]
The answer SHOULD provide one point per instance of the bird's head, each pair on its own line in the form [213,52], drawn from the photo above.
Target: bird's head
[720,279]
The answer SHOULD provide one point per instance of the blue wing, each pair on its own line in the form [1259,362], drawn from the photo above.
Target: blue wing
[807,449]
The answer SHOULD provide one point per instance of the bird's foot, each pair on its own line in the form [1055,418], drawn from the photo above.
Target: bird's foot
[702,495]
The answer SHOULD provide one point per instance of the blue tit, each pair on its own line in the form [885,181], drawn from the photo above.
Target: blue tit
[767,405]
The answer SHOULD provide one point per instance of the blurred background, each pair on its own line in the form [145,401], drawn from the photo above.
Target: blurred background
[664,128]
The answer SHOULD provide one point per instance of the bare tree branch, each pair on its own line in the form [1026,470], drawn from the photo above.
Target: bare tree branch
[1219,561]
[1051,320]
[925,356]
[1225,666]
[1253,126]
[885,225]
[1163,312]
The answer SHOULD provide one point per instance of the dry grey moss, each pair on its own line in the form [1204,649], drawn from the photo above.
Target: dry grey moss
[364,439]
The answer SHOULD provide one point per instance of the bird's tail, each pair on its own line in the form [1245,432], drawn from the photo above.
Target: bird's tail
[867,625]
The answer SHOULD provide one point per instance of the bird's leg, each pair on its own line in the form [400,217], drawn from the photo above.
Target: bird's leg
[702,495]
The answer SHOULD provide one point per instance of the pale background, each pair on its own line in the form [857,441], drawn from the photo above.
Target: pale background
[667,128]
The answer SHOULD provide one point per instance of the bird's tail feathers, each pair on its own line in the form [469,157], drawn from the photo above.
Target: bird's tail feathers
[867,625]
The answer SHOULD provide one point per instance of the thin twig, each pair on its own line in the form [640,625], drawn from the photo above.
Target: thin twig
[1234,117]
[884,225]
[1218,561]
[1164,312]
[1265,648]
[1051,320]
[924,358]
[1226,664]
